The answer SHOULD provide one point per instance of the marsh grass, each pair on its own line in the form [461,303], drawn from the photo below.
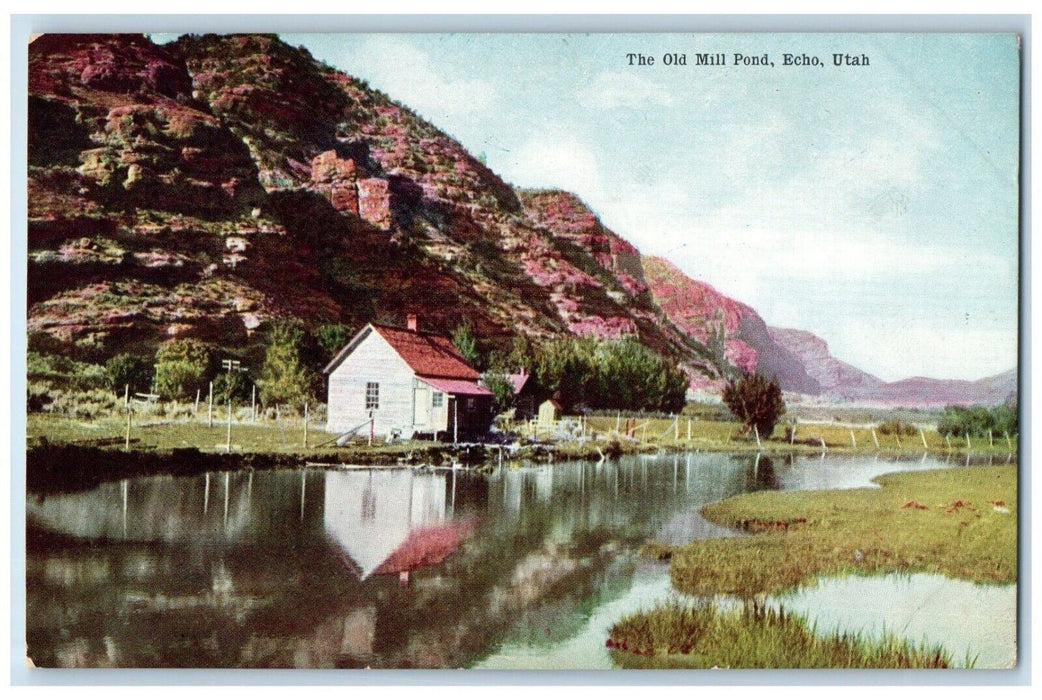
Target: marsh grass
[955,522]
[693,635]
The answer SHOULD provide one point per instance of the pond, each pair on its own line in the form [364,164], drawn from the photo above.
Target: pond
[523,568]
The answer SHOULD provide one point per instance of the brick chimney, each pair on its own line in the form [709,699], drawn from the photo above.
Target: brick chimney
[413,322]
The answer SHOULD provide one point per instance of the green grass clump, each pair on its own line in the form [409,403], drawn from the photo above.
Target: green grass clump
[955,522]
[680,635]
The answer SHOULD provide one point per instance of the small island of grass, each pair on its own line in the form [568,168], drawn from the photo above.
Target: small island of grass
[960,523]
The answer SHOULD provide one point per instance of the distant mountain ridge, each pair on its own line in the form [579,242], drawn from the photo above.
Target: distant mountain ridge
[844,382]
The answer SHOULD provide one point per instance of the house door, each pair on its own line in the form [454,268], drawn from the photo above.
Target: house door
[421,406]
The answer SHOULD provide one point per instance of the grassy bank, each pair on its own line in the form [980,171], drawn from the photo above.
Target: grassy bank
[679,635]
[726,436]
[957,522]
[960,523]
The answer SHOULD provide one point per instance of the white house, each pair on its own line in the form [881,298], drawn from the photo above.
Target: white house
[407,382]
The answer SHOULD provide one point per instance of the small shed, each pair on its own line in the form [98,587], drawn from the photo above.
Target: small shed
[548,411]
[525,394]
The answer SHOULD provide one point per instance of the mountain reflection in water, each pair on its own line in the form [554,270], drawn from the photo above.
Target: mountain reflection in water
[304,568]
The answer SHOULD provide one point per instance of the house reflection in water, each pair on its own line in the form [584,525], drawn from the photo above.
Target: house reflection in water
[392,522]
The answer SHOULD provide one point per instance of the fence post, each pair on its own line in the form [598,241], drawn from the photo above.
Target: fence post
[209,409]
[874,438]
[1009,444]
[126,395]
[991,440]
[126,443]
[853,440]
[228,437]
[969,446]
[198,393]
[792,435]
[254,403]
[948,440]
[689,430]
[305,424]
[923,436]
[756,430]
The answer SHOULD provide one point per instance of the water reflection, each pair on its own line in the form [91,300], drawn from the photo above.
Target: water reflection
[303,568]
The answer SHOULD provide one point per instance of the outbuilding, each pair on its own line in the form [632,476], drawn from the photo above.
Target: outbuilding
[405,382]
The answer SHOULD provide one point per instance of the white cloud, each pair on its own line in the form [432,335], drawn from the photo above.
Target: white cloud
[611,90]
[409,76]
[554,161]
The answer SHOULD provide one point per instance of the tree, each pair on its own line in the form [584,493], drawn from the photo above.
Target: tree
[183,367]
[285,376]
[502,390]
[464,340]
[128,370]
[331,337]
[231,386]
[756,401]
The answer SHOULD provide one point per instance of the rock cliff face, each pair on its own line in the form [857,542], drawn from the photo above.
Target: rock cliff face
[717,320]
[831,374]
[204,187]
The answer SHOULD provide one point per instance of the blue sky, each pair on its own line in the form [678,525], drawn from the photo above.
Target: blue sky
[875,206]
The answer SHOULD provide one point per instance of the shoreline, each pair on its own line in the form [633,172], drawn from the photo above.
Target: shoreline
[61,466]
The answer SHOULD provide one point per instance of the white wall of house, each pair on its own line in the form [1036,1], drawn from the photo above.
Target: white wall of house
[406,403]
[436,417]
[373,360]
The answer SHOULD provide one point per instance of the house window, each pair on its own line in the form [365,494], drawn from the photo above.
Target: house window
[437,399]
[372,396]
[472,405]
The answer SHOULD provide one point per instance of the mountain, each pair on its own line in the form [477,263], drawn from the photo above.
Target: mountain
[706,314]
[205,187]
[843,382]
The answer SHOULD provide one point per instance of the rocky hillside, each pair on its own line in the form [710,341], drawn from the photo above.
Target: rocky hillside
[723,323]
[205,187]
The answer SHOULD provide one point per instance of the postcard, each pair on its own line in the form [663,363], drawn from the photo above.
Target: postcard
[531,351]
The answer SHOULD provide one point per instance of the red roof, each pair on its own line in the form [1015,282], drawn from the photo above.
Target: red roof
[457,387]
[519,381]
[428,354]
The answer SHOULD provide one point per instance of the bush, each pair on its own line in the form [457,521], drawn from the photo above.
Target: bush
[183,367]
[979,420]
[896,427]
[126,369]
[64,373]
[232,386]
[86,405]
[756,401]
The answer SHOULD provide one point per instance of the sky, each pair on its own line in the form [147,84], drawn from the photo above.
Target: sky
[875,206]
